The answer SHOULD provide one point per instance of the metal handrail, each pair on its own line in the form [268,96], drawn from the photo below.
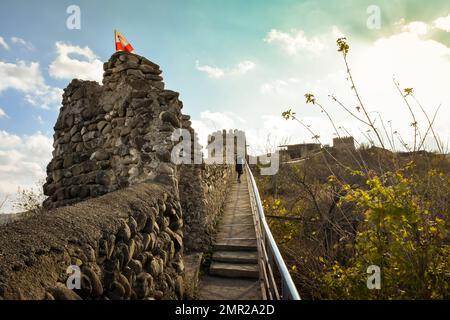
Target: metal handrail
[266,241]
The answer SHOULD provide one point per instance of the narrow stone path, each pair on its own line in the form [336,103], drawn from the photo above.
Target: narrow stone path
[234,271]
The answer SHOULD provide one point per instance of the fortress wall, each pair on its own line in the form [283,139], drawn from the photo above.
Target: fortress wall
[117,206]
[203,191]
[128,244]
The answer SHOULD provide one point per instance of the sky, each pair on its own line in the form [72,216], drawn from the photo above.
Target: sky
[238,64]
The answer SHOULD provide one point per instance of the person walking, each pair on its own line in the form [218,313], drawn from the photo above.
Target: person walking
[239,167]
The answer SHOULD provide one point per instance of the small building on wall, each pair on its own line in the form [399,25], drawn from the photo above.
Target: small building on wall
[296,151]
[344,143]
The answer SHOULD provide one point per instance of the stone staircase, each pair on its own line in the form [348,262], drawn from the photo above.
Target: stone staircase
[234,269]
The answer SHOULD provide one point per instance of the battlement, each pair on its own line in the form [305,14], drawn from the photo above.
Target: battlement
[344,143]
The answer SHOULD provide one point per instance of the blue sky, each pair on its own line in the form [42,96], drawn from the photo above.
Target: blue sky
[236,64]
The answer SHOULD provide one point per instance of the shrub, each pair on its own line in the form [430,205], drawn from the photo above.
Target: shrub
[403,233]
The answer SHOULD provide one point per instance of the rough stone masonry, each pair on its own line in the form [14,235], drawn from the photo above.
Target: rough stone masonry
[127,244]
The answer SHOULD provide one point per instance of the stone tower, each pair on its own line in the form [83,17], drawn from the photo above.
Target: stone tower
[116,134]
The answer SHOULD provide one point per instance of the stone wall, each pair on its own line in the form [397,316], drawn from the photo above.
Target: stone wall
[128,245]
[203,191]
[112,136]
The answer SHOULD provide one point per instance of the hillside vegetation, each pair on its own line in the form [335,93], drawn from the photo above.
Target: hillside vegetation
[330,232]
[341,212]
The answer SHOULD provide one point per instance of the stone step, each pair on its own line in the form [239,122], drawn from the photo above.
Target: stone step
[238,214]
[237,231]
[221,288]
[236,256]
[236,219]
[236,224]
[235,245]
[233,209]
[237,210]
[234,270]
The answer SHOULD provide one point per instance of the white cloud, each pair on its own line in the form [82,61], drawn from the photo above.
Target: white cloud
[3,113]
[45,97]
[20,76]
[337,33]
[419,63]
[416,27]
[217,73]
[243,67]
[279,86]
[274,129]
[65,66]
[19,41]
[8,140]
[400,22]
[23,160]
[422,28]
[3,44]
[27,78]
[415,60]
[211,121]
[39,119]
[212,72]
[295,41]
[442,23]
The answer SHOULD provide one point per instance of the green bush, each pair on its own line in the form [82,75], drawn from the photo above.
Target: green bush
[403,233]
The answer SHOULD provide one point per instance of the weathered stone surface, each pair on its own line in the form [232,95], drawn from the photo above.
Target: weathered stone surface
[164,168]
[100,155]
[156,267]
[136,73]
[95,282]
[153,77]
[125,66]
[149,69]
[171,118]
[163,155]
[104,178]
[141,220]
[125,282]
[124,232]
[61,292]
[132,224]
[101,125]
[144,284]
[117,291]
[136,266]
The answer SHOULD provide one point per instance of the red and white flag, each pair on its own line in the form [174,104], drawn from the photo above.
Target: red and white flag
[122,43]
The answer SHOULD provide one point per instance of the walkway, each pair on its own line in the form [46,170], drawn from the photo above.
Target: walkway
[234,271]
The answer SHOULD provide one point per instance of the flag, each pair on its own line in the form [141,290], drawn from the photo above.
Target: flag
[122,43]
